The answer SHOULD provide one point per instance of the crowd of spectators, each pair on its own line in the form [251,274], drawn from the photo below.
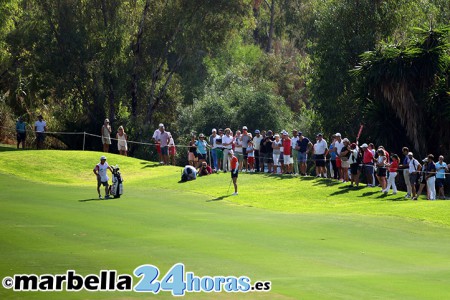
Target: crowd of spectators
[340,159]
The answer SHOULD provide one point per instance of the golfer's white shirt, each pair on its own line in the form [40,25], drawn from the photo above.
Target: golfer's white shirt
[102,171]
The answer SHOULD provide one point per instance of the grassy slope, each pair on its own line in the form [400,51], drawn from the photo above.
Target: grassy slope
[308,256]
[279,193]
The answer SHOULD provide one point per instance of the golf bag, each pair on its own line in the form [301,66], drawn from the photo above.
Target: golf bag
[117,183]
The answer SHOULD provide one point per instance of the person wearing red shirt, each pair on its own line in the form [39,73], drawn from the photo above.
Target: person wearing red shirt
[393,166]
[234,164]
[368,159]
[287,153]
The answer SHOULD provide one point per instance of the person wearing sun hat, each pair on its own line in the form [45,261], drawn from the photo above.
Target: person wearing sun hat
[201,145]
[100,170]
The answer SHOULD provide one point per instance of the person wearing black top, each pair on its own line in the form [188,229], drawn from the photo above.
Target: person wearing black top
[268,151]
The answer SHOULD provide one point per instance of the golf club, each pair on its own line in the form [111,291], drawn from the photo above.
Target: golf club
[229,186]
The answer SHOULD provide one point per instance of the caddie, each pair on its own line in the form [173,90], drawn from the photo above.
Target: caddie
[100,171]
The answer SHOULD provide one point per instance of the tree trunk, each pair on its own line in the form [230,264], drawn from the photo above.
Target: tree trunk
[137,63]
[271,27]
[256,34]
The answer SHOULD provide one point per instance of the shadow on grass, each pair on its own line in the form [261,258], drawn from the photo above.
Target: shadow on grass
[367,194]
[343,189]
[326,182]
[4,149]
[387,197]
[96,199]
[218,198]
[150,165]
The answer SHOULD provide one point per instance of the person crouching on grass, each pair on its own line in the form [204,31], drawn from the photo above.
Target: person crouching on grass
[234,164]
[100,171]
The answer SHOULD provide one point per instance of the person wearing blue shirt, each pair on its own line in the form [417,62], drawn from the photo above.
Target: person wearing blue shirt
[334,172]
[201,149]
[303,146]
[21,132]
[441,169]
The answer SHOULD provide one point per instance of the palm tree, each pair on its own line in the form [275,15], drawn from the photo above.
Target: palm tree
[403,77]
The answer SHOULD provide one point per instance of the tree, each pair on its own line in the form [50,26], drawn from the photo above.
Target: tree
[403,78]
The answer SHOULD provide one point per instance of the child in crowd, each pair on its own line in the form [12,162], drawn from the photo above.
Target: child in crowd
[250,156]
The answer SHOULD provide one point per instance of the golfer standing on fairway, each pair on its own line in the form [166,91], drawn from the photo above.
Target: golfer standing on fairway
[234,170]
[100,171]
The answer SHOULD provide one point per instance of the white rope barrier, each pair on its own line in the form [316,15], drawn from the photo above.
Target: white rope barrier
[309,160]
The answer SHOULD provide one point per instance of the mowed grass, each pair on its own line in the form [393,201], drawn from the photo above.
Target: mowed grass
[279,193]
[313,239]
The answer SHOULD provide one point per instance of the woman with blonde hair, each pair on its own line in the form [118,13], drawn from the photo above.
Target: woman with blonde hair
[106,135]
[122,141]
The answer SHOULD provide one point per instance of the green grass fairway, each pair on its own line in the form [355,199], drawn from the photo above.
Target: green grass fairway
[311,238]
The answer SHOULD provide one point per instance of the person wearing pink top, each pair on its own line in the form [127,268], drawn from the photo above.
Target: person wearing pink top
[393,166]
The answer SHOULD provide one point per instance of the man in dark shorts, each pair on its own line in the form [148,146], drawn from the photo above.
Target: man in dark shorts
[21,132]
[320,151]
[100,170]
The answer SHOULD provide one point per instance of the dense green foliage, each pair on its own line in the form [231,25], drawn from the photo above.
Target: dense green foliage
[195,65]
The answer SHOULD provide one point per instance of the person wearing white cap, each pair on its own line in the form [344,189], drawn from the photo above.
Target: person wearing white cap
[257,146]
[106,135]
[234,164]
[100,170]
[157,141]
